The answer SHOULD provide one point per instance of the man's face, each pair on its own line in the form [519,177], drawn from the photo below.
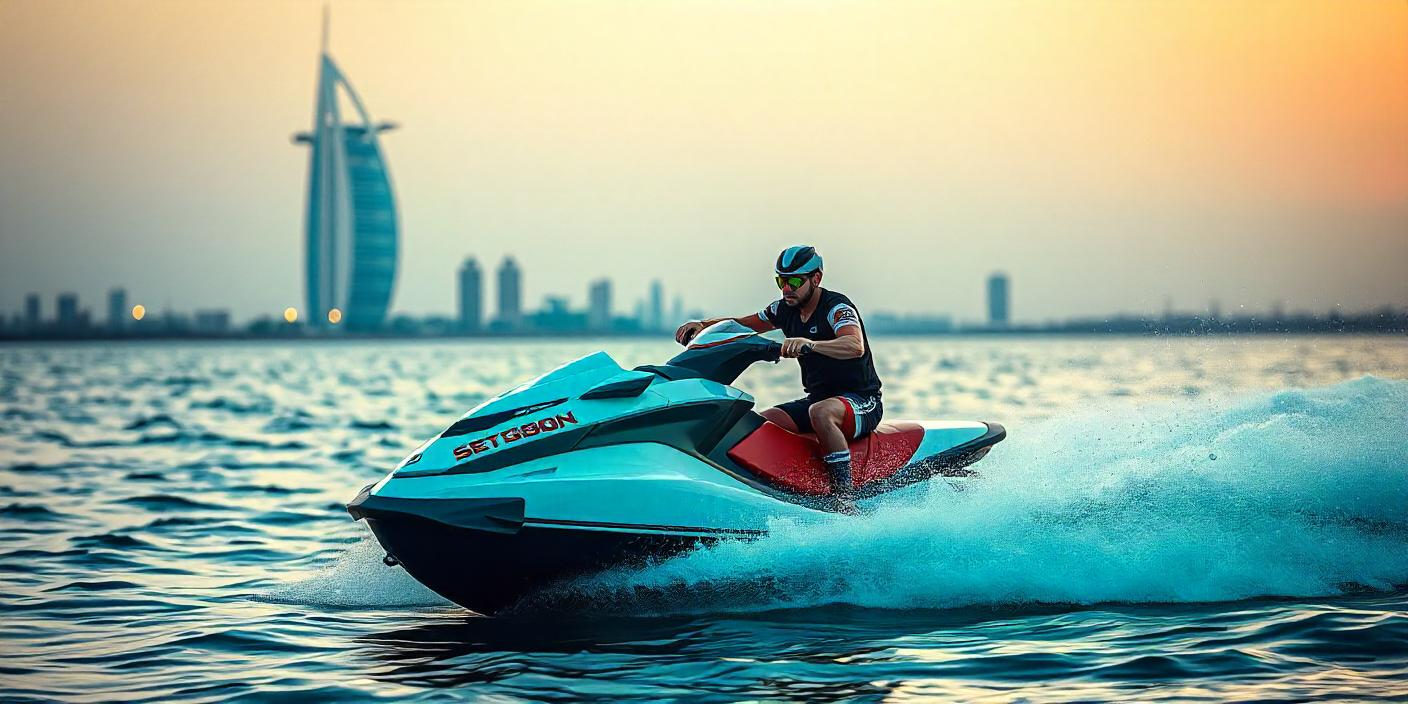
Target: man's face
[795,296]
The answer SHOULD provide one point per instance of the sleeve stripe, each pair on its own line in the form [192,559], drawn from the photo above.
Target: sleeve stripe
[852,319]
[769,313]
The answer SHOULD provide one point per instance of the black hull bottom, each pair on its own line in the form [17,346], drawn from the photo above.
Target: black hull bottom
[487,572]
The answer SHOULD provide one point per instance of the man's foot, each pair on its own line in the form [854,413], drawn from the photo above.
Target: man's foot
[838,465]
[845,503]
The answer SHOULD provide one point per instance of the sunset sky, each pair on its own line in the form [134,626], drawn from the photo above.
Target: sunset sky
[1107,155]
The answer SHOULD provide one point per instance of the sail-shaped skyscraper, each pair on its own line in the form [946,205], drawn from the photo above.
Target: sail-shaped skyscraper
[351,223]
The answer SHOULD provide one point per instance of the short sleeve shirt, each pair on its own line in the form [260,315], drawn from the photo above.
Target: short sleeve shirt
[823,376]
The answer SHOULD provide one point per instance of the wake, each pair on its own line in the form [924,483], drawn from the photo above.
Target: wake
[1296,493]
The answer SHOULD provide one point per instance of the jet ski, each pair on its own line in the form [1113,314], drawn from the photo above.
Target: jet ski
[591,466]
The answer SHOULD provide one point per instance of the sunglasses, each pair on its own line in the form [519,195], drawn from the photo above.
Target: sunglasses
[795,282]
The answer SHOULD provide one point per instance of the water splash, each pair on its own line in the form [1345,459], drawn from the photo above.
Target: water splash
[1296,493]
[356,579]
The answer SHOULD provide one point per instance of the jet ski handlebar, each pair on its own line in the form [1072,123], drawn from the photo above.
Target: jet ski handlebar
[719,353]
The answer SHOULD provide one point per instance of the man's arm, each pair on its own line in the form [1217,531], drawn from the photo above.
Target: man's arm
[755,322]
[849,344]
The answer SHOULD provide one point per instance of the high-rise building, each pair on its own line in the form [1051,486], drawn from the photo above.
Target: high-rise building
[557,316]
[471,296]
[351,220]
[510,294]
[32,320]
[999,314]
[68,315]
[655,317]
[676,312]
[117,309]
[599,305]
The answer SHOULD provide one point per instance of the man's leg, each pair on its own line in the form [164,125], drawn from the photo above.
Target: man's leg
[780,417]
[791,416]
[828,419]
[827,416]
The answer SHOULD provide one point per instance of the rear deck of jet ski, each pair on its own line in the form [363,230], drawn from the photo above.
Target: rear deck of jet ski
[889,457]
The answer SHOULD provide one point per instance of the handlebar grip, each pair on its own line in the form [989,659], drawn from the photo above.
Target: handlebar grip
[806,349]
[689,337]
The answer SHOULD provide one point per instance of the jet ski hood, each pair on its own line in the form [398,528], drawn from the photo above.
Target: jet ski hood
[587,390]
[536,406]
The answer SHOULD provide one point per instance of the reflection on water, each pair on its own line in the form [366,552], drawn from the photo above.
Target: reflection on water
[174,530]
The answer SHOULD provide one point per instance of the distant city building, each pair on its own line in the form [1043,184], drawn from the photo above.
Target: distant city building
[999,314]
[471,296]
[118,315]
[557,316]
[69,317]
[655,317]
[676,312]
[351,219]
[212,322]
[599,305]
[510,294]
[32,321]
[173,322]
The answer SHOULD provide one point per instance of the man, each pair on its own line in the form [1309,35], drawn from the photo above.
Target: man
[838,374]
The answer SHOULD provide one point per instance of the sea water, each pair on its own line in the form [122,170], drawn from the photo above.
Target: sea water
[1169,519]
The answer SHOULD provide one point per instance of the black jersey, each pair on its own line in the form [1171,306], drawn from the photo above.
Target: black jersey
[824,376]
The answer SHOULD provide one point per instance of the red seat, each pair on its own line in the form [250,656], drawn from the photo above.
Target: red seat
[793,462]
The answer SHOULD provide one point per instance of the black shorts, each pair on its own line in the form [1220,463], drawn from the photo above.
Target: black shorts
[863,413]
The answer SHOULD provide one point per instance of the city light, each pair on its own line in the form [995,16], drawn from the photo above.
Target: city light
[290,315]
[139,311]
[334,316]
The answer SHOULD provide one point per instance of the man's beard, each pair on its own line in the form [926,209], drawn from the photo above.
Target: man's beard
[800,302]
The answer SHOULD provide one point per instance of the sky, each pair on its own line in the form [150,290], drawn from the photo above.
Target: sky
[1107,155]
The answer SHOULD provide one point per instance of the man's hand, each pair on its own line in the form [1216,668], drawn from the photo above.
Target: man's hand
[795,346]
[686,332]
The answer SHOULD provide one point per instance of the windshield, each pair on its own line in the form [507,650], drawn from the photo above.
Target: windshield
[719,333]
[719,353]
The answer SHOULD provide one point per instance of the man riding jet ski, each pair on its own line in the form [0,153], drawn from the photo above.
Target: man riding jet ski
[592,466]
[824,331]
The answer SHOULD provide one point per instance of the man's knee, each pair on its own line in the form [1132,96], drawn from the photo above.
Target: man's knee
[779,417]
[826,412]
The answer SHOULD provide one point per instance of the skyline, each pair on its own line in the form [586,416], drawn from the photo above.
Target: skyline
[71,320]
[1258,153]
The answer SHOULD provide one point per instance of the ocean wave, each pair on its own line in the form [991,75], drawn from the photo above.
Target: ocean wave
[29,512]
[167,502]
[160,419]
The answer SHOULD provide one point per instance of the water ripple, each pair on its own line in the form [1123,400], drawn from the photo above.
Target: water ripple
[174,531]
